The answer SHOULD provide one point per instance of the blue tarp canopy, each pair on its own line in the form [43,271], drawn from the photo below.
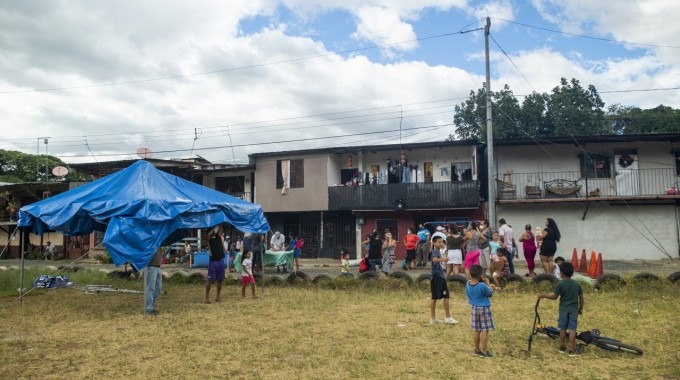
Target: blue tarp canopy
[139,208]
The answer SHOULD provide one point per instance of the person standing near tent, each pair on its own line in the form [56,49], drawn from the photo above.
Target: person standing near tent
[50,251]
[277,244]
[216,264]
[153,280]
[293,246]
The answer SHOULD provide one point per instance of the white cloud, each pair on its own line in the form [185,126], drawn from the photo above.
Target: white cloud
[384,27]
[497,9]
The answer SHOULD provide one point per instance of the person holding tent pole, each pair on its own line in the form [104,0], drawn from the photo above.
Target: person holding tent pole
[216,265]
[153,280]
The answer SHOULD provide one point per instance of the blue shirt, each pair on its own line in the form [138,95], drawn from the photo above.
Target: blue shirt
[293,247]
[422,234]
[437,270]
[479,294]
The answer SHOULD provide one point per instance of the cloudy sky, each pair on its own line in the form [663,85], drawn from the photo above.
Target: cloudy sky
[222,79]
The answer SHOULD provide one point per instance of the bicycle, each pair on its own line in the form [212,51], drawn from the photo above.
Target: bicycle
[588,337]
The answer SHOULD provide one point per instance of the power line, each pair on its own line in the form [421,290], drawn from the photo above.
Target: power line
[248,127]
[270,142]
[513,63]
[586,36]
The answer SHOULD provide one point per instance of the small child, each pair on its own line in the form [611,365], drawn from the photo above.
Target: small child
[438,286]
[539,238]
[571,306]
[344,266]
[247,274]
[481,319]
[559,260]
[495,244]
[501,268]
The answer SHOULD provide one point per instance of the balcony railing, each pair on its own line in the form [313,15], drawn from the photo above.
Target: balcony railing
[459,194]
[624,183]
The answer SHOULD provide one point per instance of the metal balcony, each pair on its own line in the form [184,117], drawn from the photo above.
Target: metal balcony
[437,195]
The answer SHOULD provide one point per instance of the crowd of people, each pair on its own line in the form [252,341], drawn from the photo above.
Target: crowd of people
[463,247]
[476,249]
[478,289]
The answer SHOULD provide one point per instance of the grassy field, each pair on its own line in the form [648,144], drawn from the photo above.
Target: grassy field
[344,329]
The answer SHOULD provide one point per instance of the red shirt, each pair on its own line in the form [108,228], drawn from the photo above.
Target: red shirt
[411,240]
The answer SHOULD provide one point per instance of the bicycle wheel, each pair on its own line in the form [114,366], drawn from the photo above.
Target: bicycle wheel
[615,345]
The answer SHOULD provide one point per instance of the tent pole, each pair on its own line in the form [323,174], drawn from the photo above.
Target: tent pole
[21,274]
[262,249]
[146,278]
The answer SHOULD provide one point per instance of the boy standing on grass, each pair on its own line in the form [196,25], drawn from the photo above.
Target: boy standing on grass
[571,306]
[481,319]
[438,282]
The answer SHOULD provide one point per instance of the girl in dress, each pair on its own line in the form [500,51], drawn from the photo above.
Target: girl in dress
[247,274]
[388,253]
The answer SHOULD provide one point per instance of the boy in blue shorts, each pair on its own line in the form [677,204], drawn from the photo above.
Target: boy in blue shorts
[481,320]
[571,306]
[438,282]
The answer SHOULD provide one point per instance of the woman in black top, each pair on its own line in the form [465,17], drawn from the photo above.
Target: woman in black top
[551,235]
[375,251]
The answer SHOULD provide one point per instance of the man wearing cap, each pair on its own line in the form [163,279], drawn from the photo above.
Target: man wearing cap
[440,233]
[424,249]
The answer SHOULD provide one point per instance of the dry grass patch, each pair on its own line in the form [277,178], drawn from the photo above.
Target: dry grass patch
[342,329]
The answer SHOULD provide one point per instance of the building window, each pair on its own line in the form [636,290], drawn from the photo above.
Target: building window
[677,163]
[387,225]
[595,166]
[293,171]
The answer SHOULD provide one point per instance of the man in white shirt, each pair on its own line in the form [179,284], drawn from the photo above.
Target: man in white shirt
[508,239]
[277,242]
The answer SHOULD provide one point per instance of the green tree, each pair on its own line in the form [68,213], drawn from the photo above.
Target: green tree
[18,167]
[633,120]
[573,110]
[470,116]
[533,116]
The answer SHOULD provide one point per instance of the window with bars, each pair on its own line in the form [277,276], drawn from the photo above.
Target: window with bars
[595,165]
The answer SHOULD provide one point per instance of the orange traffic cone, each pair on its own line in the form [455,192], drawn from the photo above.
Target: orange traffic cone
[592,269]
[583,264]
[600,266]
[574,259]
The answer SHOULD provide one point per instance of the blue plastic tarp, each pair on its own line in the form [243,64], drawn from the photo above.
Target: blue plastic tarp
[139,207]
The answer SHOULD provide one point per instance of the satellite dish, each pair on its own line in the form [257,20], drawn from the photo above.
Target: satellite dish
[60,171]
[144,153]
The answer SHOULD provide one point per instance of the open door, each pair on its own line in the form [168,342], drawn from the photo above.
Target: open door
[627,176]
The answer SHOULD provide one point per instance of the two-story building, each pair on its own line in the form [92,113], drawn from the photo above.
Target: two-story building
[334,197]
[617,195]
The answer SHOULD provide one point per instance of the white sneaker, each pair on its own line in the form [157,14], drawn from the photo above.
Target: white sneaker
[450,321]
[434,321]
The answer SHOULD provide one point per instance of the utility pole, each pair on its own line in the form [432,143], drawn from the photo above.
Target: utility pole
[489,133]
[37,152]
[46,160]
